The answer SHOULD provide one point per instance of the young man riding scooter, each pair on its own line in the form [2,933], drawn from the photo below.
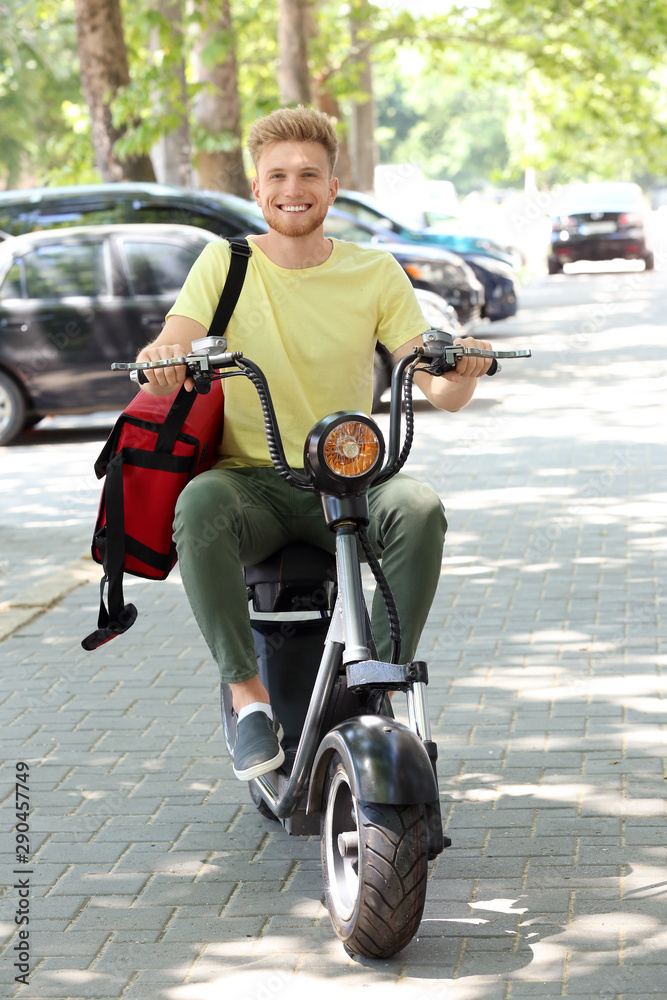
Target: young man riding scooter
[309,314]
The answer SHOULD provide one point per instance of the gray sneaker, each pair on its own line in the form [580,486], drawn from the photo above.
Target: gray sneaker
[258,748]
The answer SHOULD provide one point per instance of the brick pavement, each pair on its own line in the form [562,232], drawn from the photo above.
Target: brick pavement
[154,878]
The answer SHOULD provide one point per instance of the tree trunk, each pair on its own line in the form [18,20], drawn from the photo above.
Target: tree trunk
[293,75]
[172,153]
[327,103]
[104,70]
[218,111]
[364,150]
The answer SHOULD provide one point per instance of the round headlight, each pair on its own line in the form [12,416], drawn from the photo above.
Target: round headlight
[344,452]
[351,449]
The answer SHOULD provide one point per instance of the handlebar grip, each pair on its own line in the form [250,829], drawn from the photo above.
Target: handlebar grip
[138,376]
[494,367]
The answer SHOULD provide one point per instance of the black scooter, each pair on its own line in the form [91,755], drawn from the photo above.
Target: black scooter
[366,782]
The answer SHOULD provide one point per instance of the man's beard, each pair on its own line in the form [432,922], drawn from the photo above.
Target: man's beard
[308,225]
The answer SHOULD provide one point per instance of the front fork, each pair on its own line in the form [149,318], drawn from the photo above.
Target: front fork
[364,672]
[356,630]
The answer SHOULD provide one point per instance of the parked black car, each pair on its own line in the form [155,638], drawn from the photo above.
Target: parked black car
[72,301]
[604,221]
[501,288]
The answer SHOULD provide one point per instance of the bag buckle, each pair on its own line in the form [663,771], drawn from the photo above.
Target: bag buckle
[242,249]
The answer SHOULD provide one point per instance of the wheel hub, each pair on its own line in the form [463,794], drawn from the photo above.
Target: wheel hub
[342,845]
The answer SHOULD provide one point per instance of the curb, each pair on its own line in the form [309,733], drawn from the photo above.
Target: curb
[42,596]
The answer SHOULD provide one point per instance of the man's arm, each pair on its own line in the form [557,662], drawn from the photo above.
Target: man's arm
[174,341]
[453,390]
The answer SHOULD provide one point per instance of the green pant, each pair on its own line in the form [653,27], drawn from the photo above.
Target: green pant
[227,518]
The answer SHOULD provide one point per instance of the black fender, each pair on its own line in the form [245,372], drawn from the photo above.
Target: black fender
[386,763]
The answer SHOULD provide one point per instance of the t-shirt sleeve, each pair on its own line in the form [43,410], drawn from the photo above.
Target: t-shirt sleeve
[201,291]
[400,315]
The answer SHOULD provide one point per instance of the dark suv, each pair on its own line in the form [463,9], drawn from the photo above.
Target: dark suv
[100,204]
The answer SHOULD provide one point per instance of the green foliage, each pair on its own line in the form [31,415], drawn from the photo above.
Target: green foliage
[476,94]
[256,26]
[460,131]
[572,84]
[217,48]
[221,141]
[38,74]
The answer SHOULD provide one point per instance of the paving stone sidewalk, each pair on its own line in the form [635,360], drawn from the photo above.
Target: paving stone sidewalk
[152,876]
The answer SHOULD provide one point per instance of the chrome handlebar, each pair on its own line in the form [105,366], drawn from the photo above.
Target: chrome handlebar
[210,353]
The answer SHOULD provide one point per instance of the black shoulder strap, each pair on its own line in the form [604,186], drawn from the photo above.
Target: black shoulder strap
[238,265]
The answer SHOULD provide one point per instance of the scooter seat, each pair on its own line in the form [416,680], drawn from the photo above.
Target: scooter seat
[298,577]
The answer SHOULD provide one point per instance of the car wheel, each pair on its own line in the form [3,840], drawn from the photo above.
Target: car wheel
[649,261]
[12,409]
[555,266]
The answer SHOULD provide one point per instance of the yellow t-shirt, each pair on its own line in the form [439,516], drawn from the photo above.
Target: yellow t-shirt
[312,331]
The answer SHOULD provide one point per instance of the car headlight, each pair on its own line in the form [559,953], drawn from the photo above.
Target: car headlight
[438,275]
[344,451]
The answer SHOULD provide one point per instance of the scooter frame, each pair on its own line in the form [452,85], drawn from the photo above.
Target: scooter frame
[348,656]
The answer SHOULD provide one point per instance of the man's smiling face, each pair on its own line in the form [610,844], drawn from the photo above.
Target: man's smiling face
[294,187]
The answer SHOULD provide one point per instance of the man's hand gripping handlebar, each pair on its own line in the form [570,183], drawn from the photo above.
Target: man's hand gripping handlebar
[208,355]
[442,353]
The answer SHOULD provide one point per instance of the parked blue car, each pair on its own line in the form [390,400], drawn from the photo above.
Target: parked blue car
[367,210]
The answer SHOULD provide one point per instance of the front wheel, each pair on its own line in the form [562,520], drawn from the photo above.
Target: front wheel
[375,866]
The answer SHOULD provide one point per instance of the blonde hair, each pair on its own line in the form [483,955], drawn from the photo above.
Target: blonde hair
[298,124]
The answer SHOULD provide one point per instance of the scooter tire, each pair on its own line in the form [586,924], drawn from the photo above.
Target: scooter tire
[375,867]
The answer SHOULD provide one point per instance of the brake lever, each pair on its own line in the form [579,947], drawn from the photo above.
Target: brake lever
[138,366]
[443,359]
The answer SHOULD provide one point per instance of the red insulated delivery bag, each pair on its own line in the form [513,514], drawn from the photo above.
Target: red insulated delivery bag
[158,444]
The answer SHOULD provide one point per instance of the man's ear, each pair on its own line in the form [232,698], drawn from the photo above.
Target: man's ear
[333,190]
[255,189]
